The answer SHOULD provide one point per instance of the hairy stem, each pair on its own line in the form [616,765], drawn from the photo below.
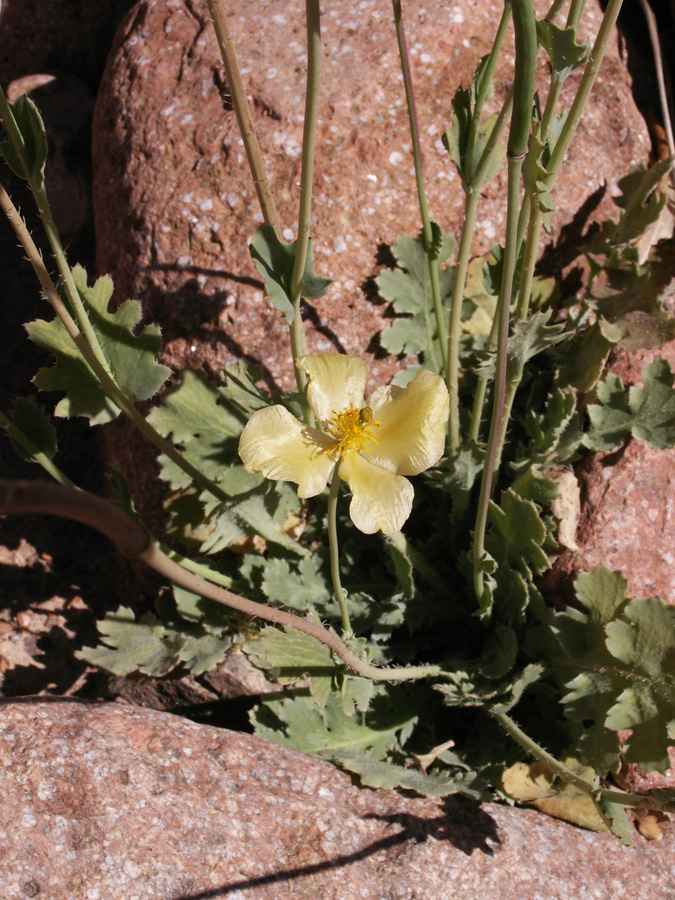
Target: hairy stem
[20,497]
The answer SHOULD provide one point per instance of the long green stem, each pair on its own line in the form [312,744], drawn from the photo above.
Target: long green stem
[237,91]
[502,318]
[21,497]
[432,260]
[523,86]
[485,84]
[298,341]
[36,184]
[575,13]
[462,268]
[338,590]
[605,35]
[109,385]
[470,214]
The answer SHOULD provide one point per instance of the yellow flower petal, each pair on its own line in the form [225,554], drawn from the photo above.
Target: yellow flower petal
[281,448]
[381,501]
[336,381]
[411,434]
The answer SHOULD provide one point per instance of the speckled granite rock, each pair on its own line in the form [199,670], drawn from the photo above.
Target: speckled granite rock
[628,508]
[174,202]
[105,802]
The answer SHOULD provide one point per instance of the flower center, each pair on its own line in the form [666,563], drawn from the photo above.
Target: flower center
[353,430]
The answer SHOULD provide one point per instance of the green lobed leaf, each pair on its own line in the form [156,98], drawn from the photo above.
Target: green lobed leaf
[376,773]
[565,53]
[398,550]
[36,426]
[297,722]
[624,653]
[466,140]
[261,512]
[198,418]
[640,206]
[527,340]
[130,354]
[294,656]
[275,259]
[298,584]
[408,289]
[647,413]
[212,617]
[536,178]
[144,646]
[204,652]
[29,162]
[630,298]
[517,534]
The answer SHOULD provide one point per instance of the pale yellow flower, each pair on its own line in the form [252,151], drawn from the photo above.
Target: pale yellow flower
[400,432]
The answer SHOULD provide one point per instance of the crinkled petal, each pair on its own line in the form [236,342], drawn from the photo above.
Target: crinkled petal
[381,501]
[336,381]
[411,434]
[281,448]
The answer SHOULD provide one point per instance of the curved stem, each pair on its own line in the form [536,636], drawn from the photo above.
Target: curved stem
[338,590]
[432,261]
[19,497]
[298,340]
[237,91]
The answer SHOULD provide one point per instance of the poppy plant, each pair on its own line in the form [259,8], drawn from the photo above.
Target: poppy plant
[400,432]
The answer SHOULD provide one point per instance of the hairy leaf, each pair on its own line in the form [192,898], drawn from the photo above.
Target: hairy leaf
[466,140]
[261,512]
[297,722]
[640,205]
[297,585]
[293,656]
[387,776]
[196,415]
[204,652]
[145,646]
[624,653]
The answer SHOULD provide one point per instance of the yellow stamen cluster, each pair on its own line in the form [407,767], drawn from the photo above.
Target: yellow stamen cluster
[352,429]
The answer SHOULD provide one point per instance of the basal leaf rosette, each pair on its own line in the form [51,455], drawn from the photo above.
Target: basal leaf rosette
[400,432]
